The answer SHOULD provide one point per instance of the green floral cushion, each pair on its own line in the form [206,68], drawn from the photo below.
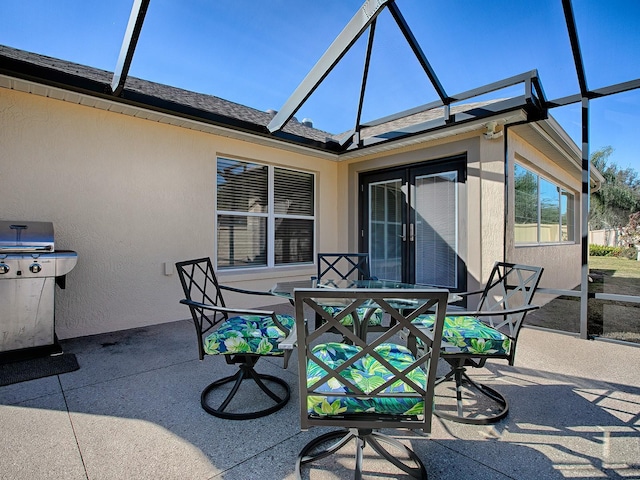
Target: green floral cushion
[368,373]
[374,320]
[469,335]
[248,334]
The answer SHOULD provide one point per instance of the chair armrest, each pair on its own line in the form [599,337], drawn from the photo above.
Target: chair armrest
[489,313]
[215,308]
[466,294]
[477,292]
[290,342]
[262,313]
[237,311]
[247,292]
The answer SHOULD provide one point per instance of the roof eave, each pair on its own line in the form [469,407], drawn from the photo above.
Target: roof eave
[573,152]
[51,77]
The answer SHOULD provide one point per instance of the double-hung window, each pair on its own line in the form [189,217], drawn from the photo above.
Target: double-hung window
[265,215]
[544,212]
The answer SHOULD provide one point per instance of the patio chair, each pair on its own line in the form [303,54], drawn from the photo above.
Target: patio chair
[338,268]
[343,266]
[363,386]
[489,332]
[242,336]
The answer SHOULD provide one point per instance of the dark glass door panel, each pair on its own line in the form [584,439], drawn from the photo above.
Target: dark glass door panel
[410,221]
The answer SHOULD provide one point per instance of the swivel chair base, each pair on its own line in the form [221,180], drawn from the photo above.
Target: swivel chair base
[246,372]
[362,438]
[458,372]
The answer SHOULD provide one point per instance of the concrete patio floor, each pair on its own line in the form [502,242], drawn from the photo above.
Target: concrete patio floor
[133,411]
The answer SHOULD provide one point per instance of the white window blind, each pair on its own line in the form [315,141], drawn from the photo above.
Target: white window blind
[294,223]
[265,215]
[385,227]
[436,236]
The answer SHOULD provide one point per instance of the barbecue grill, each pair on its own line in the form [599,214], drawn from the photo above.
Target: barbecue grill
[30,267]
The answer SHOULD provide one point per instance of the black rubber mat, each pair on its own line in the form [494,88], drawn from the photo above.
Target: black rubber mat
[31,369]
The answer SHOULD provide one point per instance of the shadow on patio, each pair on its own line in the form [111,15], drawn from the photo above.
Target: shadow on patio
[133,411]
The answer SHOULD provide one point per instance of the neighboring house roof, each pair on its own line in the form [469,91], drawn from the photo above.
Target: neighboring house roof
[416,120]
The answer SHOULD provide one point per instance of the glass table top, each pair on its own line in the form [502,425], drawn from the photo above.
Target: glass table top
[286,289]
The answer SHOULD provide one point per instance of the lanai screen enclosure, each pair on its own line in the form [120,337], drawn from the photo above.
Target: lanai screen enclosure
[530,98]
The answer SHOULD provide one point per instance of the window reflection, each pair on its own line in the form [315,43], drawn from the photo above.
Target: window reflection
[544,212]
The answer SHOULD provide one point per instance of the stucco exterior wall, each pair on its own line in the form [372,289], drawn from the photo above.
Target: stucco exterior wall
[130,195]
[562,262]
[485,238]
[493,204]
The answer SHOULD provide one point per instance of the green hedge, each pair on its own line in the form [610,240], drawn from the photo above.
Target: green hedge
[622,252]
[602,251]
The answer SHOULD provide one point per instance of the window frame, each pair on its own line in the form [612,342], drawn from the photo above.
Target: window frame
[271,216]
[563,193]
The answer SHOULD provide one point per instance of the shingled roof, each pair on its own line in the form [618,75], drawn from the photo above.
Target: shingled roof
[93,81]
[215,111]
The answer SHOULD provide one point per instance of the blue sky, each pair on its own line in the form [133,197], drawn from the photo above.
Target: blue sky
[257,52]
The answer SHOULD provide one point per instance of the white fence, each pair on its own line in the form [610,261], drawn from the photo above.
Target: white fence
[607,238]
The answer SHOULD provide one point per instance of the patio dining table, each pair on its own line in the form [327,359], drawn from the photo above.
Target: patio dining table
[287,289]
[464,336]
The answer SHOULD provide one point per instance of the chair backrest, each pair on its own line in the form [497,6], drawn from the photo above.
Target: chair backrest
[369,383]
[200,286]
[343,266]
[510,287]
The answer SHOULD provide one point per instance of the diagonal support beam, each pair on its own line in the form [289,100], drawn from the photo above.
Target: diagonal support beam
[422,58]
[365,75]
[340,46]
[136,19]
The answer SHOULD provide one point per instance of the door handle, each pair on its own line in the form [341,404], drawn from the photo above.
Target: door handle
[412,236]
[404,232]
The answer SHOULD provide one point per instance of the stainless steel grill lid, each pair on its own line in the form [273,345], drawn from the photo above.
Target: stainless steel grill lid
[30,268]
[26,237]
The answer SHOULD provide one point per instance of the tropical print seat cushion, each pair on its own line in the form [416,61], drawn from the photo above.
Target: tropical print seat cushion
[466,334]
[248,334]
[374,320]
[367,373]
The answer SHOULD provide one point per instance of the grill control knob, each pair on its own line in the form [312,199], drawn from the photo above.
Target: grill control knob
[35,268]
[4,268]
